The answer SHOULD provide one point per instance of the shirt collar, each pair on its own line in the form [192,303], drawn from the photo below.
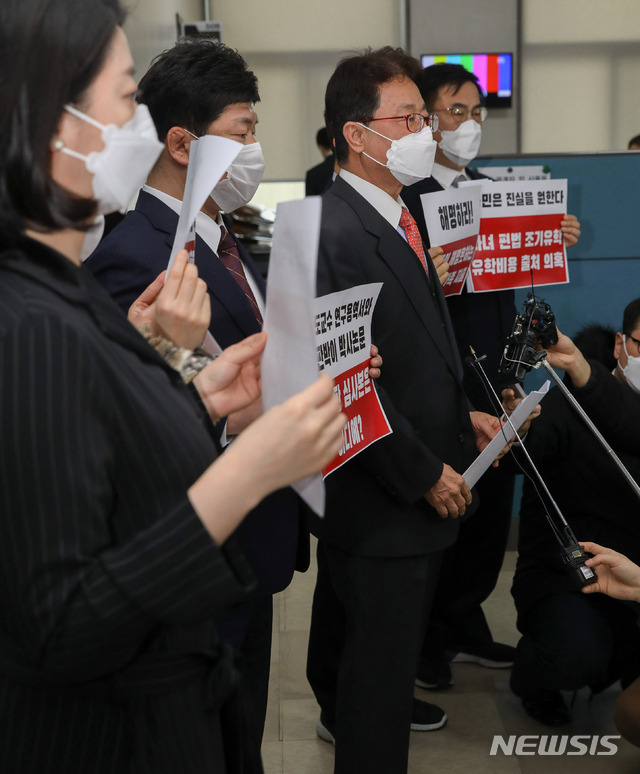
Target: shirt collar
[386,205]
[445,175]
[207,228]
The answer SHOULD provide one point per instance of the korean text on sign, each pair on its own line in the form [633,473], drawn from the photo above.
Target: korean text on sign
[343,346]
[520,239]
[453,220]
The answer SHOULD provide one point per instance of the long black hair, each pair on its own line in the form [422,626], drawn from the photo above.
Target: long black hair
[50,52]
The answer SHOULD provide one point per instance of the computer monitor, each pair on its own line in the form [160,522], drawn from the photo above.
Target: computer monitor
[494,73]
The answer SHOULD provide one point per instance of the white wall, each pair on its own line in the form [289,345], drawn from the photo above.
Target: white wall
[151,27]
[580,74]
[580,64]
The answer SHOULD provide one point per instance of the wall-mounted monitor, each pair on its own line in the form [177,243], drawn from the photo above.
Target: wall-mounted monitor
[494,72]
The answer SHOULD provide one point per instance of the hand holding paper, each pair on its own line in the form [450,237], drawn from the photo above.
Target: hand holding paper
[473,473]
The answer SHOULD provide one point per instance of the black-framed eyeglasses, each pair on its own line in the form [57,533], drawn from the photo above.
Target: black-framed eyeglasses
[635,341]
[460,114]
[416,122]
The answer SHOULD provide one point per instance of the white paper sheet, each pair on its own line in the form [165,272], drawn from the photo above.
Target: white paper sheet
[483,461]
[289,361]
[209,159]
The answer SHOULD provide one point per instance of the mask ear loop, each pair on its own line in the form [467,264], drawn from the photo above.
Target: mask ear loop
[84,117]
[59,145]
[369,129]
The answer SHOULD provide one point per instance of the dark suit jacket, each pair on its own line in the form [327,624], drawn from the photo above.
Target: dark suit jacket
[319,176]
[375,503]
[108,578]
[128,260]
[482,320]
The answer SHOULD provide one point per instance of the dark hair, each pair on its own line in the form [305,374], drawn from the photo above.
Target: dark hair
[436,76]
[50,52]
[596,342]
[192,83]
[353,91]
[322,139]
[634,141]
[631,317]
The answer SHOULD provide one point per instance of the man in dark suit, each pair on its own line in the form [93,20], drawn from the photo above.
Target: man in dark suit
[393,509]
[198,88]
[483,320]
[319,177]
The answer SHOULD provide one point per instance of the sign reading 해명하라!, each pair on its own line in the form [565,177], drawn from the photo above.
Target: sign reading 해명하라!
[453,220]
[343,342]
[520,240]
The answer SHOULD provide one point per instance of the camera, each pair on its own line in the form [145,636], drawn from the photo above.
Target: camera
[536,323]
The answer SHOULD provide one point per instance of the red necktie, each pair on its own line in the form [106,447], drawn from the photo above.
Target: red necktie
[228,254]
[413,236]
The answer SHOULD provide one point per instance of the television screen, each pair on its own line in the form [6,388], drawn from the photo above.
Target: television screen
[494,72]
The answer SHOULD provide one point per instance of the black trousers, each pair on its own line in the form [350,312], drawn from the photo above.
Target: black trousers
[470,570]
[571,641]
[248,627]
[367,624]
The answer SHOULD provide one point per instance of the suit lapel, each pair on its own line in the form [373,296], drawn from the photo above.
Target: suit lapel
[222,287]
[406,266]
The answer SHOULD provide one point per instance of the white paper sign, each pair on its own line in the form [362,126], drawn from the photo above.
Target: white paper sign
[520,242]
[483,461]
[453,221]
[209,159]
[289,360]
[343,343]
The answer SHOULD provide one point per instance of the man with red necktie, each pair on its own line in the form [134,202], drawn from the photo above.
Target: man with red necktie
[394,508]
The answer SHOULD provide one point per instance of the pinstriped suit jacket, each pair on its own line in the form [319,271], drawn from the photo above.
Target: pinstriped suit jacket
[105,570]
[128,260]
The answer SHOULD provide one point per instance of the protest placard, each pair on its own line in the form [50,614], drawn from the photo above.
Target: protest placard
[343,345]
[453,220]
[520,241]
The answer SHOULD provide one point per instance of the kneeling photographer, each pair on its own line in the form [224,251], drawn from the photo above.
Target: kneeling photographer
[571,640]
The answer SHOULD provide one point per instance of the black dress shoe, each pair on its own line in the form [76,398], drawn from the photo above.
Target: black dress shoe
[547,707]
[544,705]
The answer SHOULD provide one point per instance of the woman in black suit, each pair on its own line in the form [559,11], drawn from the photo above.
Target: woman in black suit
[115,551]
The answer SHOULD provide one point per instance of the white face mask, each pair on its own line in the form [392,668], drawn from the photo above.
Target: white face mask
[242,180]
[462,145]
[632,370]
[409,159]
[122,166]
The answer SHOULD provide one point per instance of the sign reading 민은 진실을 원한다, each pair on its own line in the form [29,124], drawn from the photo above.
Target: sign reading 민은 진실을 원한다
[343,342]
[453,221]
[520,238]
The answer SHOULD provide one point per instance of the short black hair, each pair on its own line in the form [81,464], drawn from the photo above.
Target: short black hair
[322,139]
[50,52]
[631,317]
[634,141]
[353,91]
[441,74]
[596,342]
[191,84]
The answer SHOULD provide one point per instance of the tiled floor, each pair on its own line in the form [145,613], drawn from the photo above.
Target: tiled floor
[480,705]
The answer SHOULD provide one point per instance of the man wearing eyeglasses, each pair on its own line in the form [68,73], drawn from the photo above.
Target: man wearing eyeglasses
[458,626]
[393,509]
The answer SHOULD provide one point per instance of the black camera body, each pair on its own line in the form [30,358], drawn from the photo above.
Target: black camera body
[536,323]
